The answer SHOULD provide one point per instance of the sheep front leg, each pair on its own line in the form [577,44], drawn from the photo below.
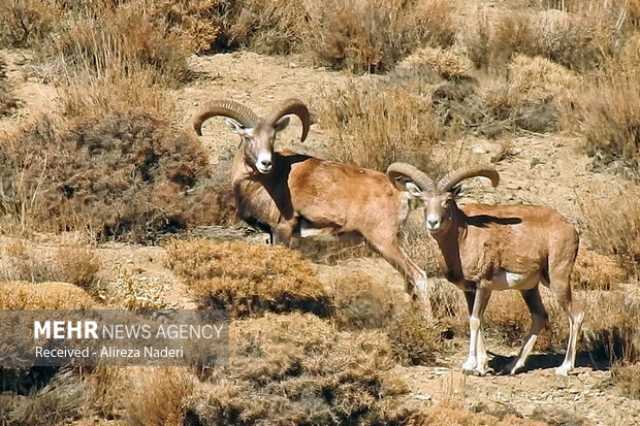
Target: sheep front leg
[477,362]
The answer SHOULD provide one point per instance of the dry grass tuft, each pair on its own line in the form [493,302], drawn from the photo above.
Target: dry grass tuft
[608,116]
[248,279]
[298,369]
[47,295]
[613,226]
[594,271]
[371,36]
[359,303]
[445,62]
[160,397]
[376,125]
[627,379]
[580,40]
[77,265]
[414,340]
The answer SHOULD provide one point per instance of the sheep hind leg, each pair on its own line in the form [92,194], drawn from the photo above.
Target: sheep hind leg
[560,268]
[416,278]
[539,319]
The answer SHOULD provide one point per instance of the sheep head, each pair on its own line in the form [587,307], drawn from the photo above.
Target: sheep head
[258,134]
[439,199]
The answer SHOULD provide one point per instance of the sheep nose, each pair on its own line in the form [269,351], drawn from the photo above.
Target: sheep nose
[265,164]
[432,224]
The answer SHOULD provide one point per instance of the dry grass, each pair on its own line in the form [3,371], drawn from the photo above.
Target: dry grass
[445,63]
[371,36]
[47,295]
[8,102]
[159,397]
[298,369]
[376,125]
[61,401]
[247,279]
[25,23]
[627,379]
[359,303]
[608,117]
[73,264]
[580,40]
[414,340]
[594,271]
[613,226]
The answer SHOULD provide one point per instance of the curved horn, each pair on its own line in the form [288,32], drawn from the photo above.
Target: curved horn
[226,108]
[452,179]
[396,170]
[292,106]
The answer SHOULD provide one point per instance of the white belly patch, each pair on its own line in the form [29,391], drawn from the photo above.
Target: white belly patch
[505,280]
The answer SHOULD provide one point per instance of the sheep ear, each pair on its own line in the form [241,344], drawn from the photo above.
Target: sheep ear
[237,127]
[413,189]
[282,124]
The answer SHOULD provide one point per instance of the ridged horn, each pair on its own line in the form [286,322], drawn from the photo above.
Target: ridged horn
[292,106]
[396,170]
[225,108]
[449,181]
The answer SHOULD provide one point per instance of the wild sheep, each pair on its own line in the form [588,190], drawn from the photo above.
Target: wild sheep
[488,248]
[301,195]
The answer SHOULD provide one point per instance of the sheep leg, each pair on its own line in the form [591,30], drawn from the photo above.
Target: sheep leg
[562,291]
[477,361]
[561,261]
[539,319]
[282,233]
[415,277]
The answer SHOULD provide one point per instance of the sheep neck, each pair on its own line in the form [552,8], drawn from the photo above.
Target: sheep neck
[450,242]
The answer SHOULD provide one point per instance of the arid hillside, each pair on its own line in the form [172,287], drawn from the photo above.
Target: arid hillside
[109,199]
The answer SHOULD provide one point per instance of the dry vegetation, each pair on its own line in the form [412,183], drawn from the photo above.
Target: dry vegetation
[247,279]
[47,296]
[8,102]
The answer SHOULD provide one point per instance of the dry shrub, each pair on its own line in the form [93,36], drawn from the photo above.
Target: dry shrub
[92,40]
[270,27]
[414,339]
[580,41]
[298,369]
[47,296]
[372,35]
[198,24]
[453,413]
[613,226]
[247,279]
[446,63]
[594,271]
[359,303]
[376,125]
[124,175]
[109,385]
[608,116]
[77,265]
[25,23]
[8,103]
[159,397]
[59,402]
[627,379]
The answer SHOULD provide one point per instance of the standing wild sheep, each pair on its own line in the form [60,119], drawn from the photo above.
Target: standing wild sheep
[488,248]
[297,195]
